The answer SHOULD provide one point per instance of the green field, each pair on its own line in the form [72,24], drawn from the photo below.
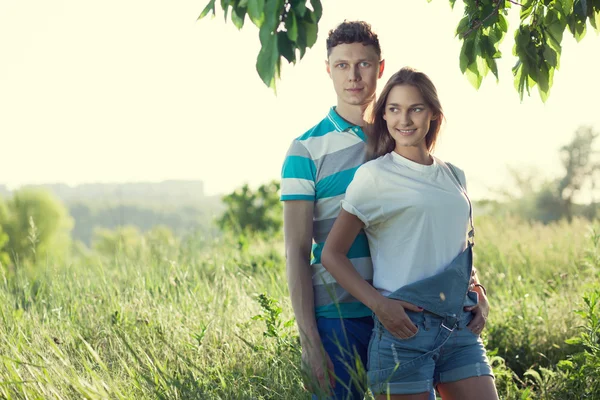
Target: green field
[176,322]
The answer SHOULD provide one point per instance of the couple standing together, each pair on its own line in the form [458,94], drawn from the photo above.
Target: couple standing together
[390,286]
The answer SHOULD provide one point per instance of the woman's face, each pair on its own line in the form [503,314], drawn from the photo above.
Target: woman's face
[407,116]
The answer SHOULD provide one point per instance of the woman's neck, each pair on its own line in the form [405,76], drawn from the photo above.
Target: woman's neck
[417,154]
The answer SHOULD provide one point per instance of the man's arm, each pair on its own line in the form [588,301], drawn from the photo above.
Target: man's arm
[297,228]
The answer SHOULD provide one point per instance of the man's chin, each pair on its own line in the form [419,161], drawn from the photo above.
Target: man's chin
[357,101]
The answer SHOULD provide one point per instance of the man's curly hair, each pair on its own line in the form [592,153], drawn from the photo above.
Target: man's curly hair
[352,32]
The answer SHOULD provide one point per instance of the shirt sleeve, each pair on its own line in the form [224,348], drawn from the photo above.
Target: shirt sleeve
[298,174]
[362,198]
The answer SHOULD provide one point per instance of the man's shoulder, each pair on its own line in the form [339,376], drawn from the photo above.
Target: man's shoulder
[320,129]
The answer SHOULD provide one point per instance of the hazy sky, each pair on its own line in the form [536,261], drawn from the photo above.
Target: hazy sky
[120,91]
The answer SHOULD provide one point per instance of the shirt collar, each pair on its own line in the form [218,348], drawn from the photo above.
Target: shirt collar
[341,125]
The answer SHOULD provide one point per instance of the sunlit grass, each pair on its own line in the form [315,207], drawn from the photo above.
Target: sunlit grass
[178,324]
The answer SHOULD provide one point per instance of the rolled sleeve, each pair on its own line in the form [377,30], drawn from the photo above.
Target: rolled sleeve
[362,198]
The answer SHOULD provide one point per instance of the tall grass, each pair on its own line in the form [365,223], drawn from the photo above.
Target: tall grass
[189,321]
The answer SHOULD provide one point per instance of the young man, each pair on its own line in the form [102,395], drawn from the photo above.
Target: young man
[334,327]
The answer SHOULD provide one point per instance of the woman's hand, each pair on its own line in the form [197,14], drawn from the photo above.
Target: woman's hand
[393,317]
[480,315]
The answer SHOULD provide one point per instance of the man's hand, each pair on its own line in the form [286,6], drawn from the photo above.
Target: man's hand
[393,317]
[319,367]
[480,315]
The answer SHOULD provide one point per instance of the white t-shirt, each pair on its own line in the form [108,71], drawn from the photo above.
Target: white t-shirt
[416,217]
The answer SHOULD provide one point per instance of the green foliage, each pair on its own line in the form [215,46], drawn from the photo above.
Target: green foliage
[180,218]
[276,329]
[250,211]
[548,200]
[581,167]
[581,371]
[4,256]
[288,25]
[286,29]
[127,241]
[37,225]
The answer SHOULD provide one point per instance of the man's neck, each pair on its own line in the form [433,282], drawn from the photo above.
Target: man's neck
[353,114]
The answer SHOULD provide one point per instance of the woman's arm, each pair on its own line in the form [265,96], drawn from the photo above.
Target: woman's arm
[334,259]
[390,312]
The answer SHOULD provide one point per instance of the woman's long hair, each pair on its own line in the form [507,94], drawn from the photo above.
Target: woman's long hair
[380,141]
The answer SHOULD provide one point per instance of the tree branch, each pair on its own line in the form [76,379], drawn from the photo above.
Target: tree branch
[478,24]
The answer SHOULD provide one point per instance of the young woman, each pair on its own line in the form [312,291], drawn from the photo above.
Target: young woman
[418,220]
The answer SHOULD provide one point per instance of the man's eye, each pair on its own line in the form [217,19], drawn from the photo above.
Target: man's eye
[365,64]
[342,65]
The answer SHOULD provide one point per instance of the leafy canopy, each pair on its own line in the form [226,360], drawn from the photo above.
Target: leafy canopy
[288,27]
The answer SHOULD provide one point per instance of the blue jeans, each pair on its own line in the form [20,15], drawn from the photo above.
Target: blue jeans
[347,342]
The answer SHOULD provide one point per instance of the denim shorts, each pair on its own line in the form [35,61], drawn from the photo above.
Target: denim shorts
[435,354]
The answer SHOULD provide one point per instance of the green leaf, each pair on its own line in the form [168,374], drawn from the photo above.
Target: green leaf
[520,78]
[554,27]
[299,7]
[286,47]
[242,3]
[543,82]
[256,12]
[493,67]
[267,58]
[550,56]
[575,341]
[490,14]
[291,26]
[301,42]
[480,55]
[567,6]
[466,54]
[311,33]
[273,9]
[595,21]
[238,15]
[503,23]
[577,20]
[317,10]
[463,26]
[526,10]
[452,4]
[209,7]
[473,76]
[225,7]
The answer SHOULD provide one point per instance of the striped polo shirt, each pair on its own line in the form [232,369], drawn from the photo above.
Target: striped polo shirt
[318,167]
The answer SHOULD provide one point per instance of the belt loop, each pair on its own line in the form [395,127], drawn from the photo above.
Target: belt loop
[449,322]
[426,321]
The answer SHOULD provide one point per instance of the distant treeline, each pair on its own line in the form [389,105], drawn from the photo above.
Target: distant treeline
[179,205]
[181,219]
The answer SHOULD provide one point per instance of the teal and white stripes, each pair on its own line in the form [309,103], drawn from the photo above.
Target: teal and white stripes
[318,167]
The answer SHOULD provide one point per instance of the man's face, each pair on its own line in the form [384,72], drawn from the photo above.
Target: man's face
[354,69]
